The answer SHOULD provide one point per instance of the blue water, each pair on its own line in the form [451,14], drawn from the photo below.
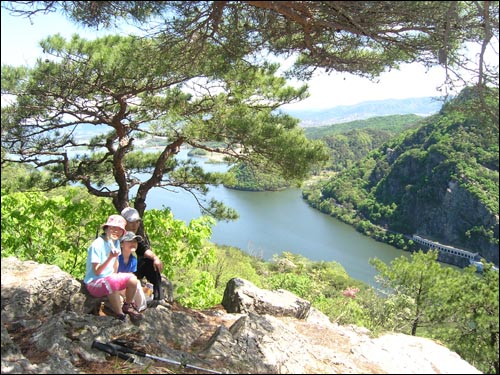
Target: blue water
[273,222]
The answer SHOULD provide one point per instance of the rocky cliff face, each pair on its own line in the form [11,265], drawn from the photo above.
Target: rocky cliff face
[432,204]
[48,327]
[440,181]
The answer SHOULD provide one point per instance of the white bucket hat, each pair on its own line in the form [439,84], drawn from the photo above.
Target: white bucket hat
[130,214]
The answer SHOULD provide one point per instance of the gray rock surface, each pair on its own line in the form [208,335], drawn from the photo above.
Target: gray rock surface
[46,329]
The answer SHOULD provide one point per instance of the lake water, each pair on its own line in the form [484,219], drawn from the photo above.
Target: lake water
[273,222]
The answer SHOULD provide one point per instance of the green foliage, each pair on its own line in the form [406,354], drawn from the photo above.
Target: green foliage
[231,262]
[197,152]
[52,230]
[203,285]
[349,311]
[321,283]
[300,285]
[417,279]
[177,244]
[457,307]
[451,159]
[249,178]
[393,124]
[140,90]
[319,35]
[201,292]
[19,177]
[352,141]
[472,318]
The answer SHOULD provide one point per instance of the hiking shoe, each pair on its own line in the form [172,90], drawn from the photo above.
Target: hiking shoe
[121,317]
[132,310]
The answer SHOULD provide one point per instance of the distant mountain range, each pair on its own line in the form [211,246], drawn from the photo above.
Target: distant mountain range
[424,106]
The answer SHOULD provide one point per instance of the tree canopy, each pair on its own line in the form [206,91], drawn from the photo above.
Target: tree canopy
[360,37]
[444,304]
[134,89]
[198,74]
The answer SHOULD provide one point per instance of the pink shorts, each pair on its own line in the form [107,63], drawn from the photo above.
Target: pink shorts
[109,284]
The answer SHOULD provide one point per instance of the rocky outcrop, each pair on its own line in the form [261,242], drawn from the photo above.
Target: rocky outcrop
[46,329]
[438,181]
[440,209]
[240,298]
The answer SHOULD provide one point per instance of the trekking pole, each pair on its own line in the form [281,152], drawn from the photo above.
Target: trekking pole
[111,350]
[118,347]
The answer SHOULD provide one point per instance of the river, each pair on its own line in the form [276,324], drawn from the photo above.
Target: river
[273,222]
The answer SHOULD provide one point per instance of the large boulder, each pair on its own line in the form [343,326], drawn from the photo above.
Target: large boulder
[241,296]
[37,291]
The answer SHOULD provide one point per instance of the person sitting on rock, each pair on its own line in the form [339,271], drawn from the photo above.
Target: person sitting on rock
[127,262]
[148,264]
[101,276]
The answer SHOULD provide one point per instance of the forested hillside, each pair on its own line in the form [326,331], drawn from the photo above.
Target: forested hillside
[347,143]
[392,124]
[251,179]
[351,141]
[439,180]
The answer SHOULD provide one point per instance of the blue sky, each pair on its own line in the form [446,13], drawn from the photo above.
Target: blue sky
[20,47]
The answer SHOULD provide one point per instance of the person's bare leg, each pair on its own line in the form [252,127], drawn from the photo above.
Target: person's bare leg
[131,289]
[116,302]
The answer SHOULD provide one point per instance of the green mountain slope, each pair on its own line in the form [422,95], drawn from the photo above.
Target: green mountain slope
[348,142]
[393,124]
[351,141]
[439,181]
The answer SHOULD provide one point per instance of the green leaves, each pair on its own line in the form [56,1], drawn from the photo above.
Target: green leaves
[458,307]
[177,244]
[475,311]
[201,293]
[135,90]
[51,230]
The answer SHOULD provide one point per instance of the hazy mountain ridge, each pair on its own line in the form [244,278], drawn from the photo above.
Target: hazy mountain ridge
[392,124]
[319,117]
[424,106]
